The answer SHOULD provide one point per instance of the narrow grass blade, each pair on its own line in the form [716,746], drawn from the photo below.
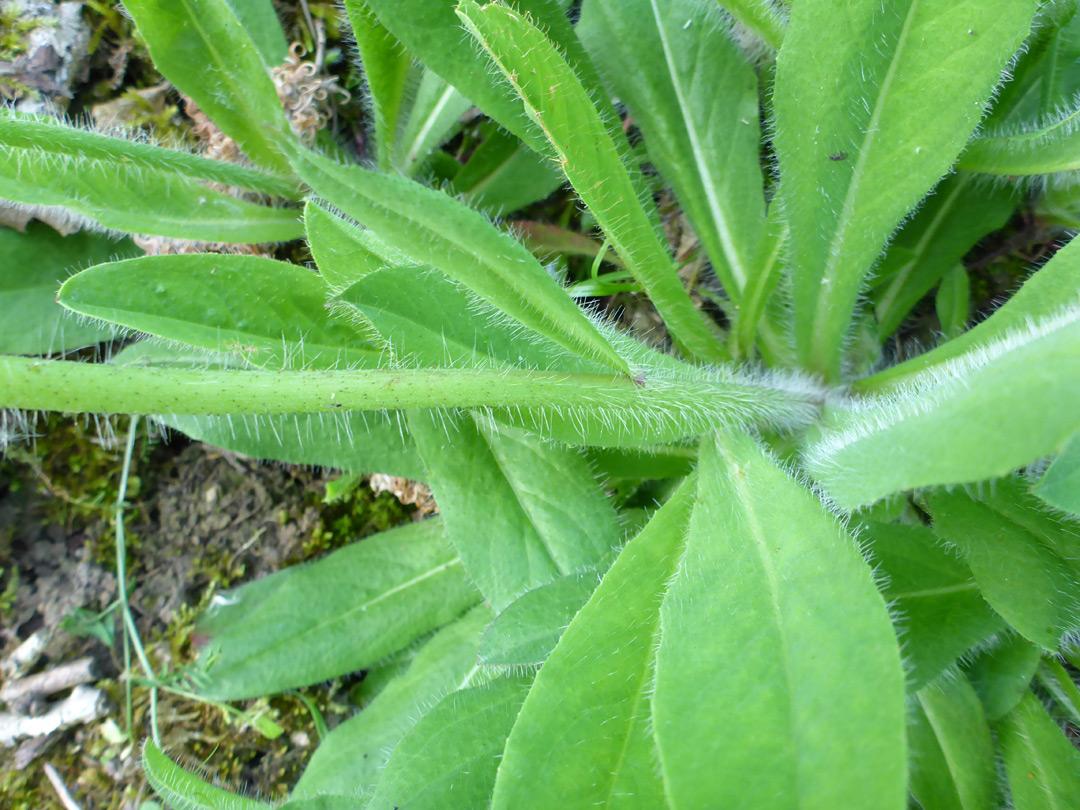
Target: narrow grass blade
[349,762]
[1024,579]
[593,693]
[988,412]
[435,230]
[380,594]
[389,72]
[266,312]
[202,48]
[950,221]
[786,597]
[1043,764]
[559,103]
[940,613]
[32,268]
[695,98]
[494,491]
[952,752]
[763,17]
[182,790]
[449,758]
[852,120]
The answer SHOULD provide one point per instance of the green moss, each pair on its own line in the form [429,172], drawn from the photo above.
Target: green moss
[14,28]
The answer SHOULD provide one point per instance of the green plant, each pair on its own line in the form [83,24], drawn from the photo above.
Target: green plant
[850,594]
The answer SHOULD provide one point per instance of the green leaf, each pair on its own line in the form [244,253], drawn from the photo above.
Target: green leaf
[22,134]
[428,320]
[351,759]
[202,48]
[423,26]
[938,608]
[527,631]
[760,16]
[1002,673]
[559,104]
[1045,147]
[260,20]
[519,511]
[388,72]
[1020,575]
[1062,685]
[34,265]
[503,175]
[950,221]
[185,791]
[328,803]
[1055,287]
[343,252]
[785,596]
[266,312]
[695,98]
[592,695]
[952,752]
[449,758]
[433,118]
[1060,486]
[953,302]
[435,230]
[996,408]
[852,120]
[360,604]
[136,188]
[1043,764]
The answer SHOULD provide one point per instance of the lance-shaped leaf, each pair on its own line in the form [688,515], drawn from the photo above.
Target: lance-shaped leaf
[32,267]
[267,312]
[1002,673]
[1053,288]
[259,18]
[1043,764]
[695,98]
[986,413]
[853,119]
[388,72]
[350,760]
[360,604]
[135,187]
[1045,148]
[592,694]
[186,791]
[503,174]
[449,758]
[435,230]
[778,676]
[428,320]
[21,134]
[1023,577]
[939,610]
[343,252]
[760,16]
[1060,486]
[428,28]
[559,103]
[950,221]
[952,752]
[528,630]
[519,511]
[202,48]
